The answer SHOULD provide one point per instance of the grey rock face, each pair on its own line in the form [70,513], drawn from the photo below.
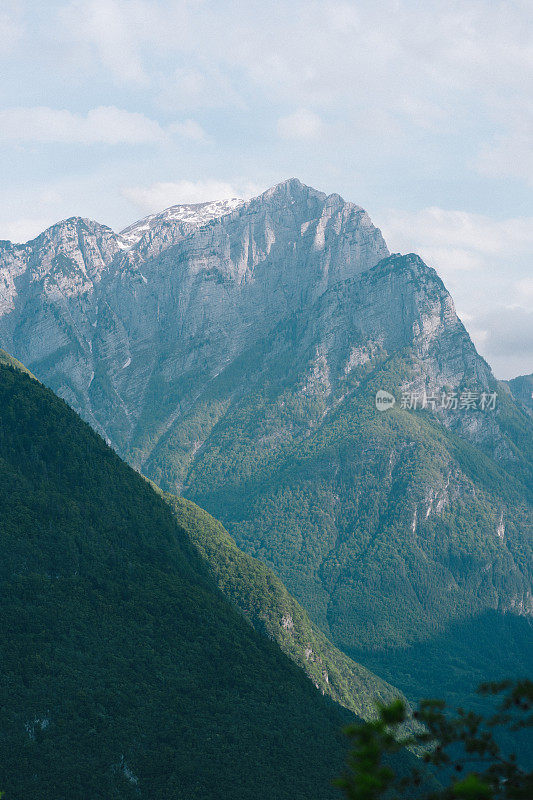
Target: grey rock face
[107,319]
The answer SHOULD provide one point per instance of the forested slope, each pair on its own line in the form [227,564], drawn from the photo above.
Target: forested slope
[124,671]
[265,602]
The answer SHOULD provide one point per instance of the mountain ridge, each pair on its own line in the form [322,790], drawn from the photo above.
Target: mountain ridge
[226,205]
[269,608]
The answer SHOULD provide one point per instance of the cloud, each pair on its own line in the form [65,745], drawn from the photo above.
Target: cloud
[11,32]
[458,232]
[506,333]
[510,155]
[389,68]
[189,130]
[451,259]
[524,291]
[162,195]
[102,125]
[113,29]
[324,49]
[25,228]
[201,86]
[302,124]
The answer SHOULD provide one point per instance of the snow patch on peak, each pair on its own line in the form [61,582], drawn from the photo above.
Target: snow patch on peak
[195,214]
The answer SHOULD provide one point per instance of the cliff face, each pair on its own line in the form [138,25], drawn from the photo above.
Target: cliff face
[108,319]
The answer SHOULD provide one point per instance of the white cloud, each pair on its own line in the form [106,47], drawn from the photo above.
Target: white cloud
[302,124]
[113,29]
[458,231]
[524,291]
[25,228]
[510,155]
[11,32]
[437,67]
[451,259]
[189,130]
[505,334]
[102,125]
[162,195]
[343,17]
[202,86]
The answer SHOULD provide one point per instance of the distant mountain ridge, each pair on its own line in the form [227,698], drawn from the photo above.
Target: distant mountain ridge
[522,390]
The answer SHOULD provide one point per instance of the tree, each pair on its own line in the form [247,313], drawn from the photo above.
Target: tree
[461,749]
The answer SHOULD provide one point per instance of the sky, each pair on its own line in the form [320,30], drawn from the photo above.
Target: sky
[421,112]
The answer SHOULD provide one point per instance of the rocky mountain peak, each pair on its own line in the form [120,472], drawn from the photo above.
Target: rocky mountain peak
[74,245]
[291,189]
[293,194]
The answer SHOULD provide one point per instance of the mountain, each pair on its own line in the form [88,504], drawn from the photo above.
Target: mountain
[420,515]
[267,605]
[125,673]
[241,362]
[111,327]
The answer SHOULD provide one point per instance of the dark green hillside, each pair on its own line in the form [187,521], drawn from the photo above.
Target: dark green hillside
[124,673]
[266,603]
